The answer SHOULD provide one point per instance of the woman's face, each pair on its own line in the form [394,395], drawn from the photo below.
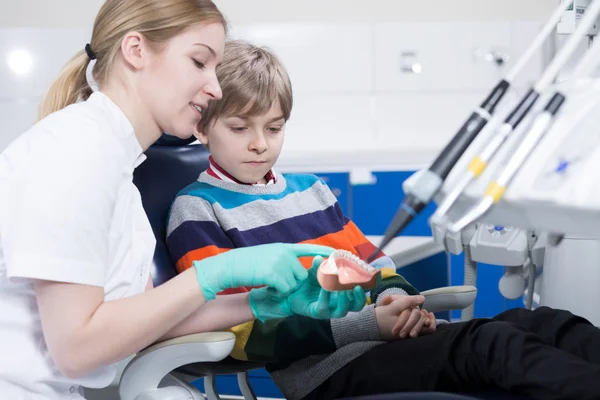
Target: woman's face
[180,80]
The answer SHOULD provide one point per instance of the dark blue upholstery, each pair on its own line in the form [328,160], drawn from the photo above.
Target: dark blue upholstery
[171,165]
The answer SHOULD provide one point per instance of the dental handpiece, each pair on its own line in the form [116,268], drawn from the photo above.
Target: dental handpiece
[479,163]
[428,184]
[496,189]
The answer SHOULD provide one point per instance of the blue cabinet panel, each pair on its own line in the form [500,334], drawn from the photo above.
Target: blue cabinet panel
[227,385]
[374,206]
[489,301]
[260,373]
[429,273]
[339,183]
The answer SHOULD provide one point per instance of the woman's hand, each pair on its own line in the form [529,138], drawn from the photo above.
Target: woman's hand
[274,265]
[309,300]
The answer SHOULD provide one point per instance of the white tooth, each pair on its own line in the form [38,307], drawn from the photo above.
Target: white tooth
[341,254]
[348,255]
[333,264]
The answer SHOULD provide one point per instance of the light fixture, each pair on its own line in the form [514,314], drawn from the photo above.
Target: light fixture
[409,62]
[20,62]
[417,68]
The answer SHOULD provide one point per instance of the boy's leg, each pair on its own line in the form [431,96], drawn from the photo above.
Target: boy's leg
[462,357]
[558,328]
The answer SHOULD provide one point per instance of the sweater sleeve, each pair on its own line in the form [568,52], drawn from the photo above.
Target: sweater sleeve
[193,232]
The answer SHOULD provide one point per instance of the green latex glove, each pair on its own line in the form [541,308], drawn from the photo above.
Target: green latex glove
[274,265]
[309,300]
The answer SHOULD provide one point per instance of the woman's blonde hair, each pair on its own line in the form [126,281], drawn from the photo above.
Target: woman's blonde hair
[157,20]
[252,79]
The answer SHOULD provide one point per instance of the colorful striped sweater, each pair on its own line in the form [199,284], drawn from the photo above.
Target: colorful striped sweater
[212,216]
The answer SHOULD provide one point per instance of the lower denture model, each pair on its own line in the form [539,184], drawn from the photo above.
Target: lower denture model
[344,270]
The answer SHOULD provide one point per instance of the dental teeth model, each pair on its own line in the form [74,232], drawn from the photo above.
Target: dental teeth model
[343,271]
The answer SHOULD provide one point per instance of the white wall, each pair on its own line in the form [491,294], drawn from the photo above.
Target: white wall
[353,103]
[81,13]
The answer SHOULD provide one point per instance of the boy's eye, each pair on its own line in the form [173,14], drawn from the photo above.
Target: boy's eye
[238,129]
[275,129]
[199,64]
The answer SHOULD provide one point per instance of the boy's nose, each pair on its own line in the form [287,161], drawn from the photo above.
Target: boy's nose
[258,144]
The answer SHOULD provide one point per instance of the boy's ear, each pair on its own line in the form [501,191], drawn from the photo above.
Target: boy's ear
[200,135]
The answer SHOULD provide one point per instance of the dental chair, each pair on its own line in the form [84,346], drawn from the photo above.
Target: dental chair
[171,165]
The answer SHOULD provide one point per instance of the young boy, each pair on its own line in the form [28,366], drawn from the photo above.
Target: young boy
[242,201]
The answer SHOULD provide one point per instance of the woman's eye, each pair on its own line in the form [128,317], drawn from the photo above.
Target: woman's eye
[199,64]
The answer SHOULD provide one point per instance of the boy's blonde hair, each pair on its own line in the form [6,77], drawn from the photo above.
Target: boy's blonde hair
[252,79]
[157,20]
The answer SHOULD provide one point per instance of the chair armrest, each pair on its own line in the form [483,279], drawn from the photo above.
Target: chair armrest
[449,298]
[151,365]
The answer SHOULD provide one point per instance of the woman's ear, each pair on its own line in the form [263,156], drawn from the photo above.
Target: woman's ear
[134,50]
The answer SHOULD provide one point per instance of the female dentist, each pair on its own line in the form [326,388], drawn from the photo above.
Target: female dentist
[76,295]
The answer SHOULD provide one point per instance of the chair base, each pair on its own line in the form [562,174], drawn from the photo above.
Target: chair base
[227,366]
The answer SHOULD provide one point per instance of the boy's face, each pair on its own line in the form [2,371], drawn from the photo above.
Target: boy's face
[247,148]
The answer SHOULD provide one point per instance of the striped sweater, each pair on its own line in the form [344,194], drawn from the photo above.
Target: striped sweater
[212,216]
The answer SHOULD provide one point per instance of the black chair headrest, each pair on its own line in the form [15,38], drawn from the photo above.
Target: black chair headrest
[169,140]
[167,170]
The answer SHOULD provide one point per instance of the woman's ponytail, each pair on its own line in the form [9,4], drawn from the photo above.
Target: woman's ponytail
[70,86]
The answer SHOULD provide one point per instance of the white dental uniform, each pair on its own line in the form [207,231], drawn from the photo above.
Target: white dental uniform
[69,212]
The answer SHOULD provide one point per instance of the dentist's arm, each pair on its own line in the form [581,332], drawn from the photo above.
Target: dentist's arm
[220,314]
[83,332]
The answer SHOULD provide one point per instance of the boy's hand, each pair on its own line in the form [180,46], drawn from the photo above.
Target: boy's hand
[392,308]
[399,317]
[431,323]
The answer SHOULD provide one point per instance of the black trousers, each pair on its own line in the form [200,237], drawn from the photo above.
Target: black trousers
[545,354]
